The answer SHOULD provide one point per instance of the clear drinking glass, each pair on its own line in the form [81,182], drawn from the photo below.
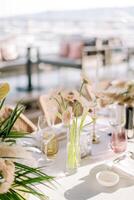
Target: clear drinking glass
[118,142]
[116,114]
[85,144]
[48,142]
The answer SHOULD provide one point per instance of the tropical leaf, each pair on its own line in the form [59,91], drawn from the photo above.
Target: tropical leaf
[7,124]
[26,178]
[18,134]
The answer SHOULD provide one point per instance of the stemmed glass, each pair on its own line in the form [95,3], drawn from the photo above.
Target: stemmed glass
[95,137]
[46,136]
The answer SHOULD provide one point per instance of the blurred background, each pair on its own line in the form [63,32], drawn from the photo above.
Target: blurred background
[47,44]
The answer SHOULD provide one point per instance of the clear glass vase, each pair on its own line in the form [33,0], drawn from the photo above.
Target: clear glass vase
[73,151]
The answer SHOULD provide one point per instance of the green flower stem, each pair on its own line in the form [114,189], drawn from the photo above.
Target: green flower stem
[73,147]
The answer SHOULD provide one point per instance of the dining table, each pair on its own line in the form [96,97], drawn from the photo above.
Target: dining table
[83,184]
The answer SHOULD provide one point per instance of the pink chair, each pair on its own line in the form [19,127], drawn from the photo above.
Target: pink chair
[75,49]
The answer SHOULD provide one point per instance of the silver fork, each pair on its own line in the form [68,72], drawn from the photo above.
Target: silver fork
[129,153]
[118,159]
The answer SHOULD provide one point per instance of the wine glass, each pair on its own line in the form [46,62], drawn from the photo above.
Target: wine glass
[95,137]
[46,135]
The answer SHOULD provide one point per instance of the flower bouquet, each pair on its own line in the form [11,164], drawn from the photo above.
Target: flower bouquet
[16,178]
[72,111]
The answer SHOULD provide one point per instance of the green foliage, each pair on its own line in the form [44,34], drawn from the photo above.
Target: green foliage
[7,124]
[26,178]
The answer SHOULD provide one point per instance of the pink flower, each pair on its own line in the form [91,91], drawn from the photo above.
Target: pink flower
[67,116]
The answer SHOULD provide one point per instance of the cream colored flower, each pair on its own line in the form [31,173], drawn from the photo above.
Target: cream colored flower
[7,170]
[121,92]
[90,93]
[4,89]
[67,116]
[17,152]
[130,89]
[102,102]
[70,96]
[119,84]
[85,78]
[14,151]
[85,104]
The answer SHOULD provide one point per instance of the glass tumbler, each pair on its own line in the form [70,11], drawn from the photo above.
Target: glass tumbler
[118,140]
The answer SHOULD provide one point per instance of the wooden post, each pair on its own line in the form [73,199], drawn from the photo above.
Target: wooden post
[29,70]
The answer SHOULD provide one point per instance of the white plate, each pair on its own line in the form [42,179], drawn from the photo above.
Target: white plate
[107,178]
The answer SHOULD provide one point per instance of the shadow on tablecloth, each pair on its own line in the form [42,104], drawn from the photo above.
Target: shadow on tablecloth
[89,187]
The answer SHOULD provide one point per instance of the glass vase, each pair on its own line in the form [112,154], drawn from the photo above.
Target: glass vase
[73,151]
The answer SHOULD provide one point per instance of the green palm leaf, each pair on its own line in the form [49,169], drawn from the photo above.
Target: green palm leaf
[26,178]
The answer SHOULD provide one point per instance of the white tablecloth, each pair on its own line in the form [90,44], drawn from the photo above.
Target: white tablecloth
[83,185]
